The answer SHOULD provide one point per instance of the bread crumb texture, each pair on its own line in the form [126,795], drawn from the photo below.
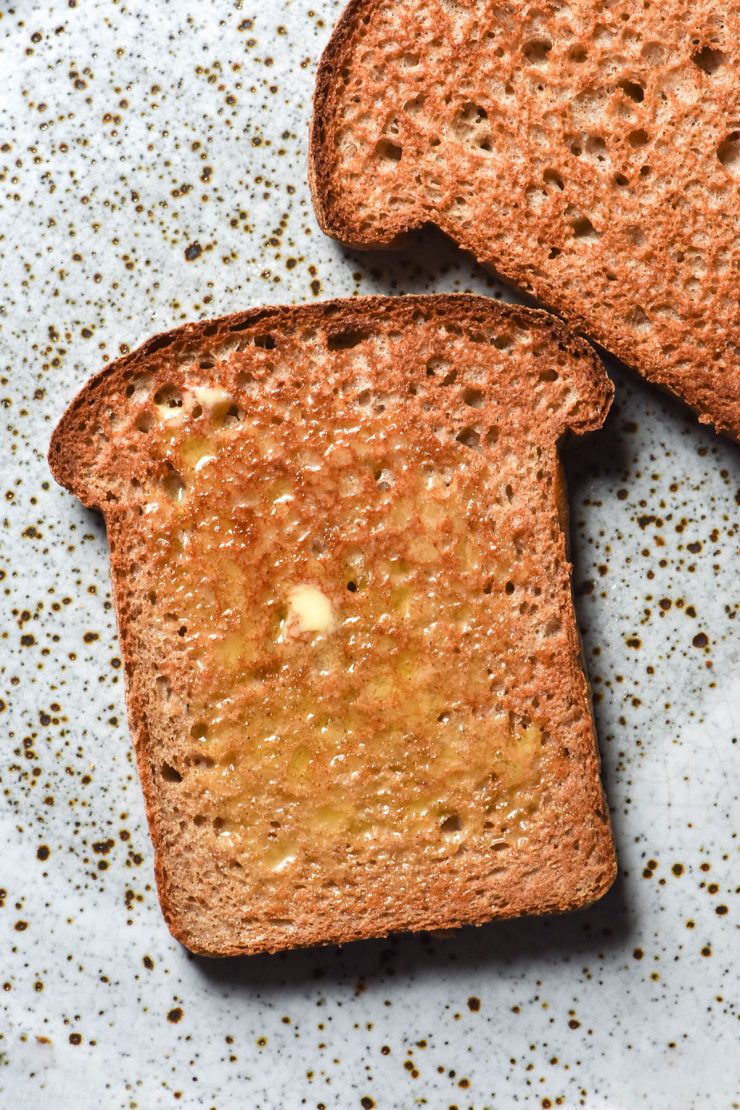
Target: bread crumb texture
[341,582]
[589,153]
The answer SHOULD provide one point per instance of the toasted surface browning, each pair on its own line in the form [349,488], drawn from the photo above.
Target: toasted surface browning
[340,576]
[589,153]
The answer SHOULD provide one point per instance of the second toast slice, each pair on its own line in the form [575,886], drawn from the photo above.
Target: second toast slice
[589,153]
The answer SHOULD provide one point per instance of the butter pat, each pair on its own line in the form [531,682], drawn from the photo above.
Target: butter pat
[171,414]
[210,398]
[309,610]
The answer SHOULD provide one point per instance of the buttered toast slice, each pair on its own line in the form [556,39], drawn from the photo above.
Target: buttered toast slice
[337,538]
[590,153]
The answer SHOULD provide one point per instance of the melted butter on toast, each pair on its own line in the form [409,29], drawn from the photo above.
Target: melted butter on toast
[348,610]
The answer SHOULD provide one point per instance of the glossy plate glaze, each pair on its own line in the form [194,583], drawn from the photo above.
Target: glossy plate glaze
[152,170]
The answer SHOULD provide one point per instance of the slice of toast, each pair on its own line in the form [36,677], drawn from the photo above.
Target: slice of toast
[588,153]
[338,550]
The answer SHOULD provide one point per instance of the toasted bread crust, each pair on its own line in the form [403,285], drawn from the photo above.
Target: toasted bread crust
[70,457]
[84,458]
[654,287]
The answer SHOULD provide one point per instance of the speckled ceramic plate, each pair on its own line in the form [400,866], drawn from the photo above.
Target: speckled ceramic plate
[153,170]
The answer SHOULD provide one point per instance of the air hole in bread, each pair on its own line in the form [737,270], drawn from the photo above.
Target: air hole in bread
[709,60]
[578,53]
[472,113]
[164,687]
[554,252]
[168,396]
[548,376]
[169,773]
[502,342]
[638,319]
[451,824]
[345,340]
[653,53]
[388,151]
[584,229]
[620,180]
[435,365]
[633,90]
[160,343]
[536,50]
[199,731]
[491,435]
[728,152]
[474,397]
[242,325]
[265,341]
[199,820]
[639,137]
[139,387]
[552,178]
[206,364]
[596,147]
[144,421]
[414,105]
[173,484]
[469,437]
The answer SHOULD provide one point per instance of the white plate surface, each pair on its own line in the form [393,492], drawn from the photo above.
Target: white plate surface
[153,170]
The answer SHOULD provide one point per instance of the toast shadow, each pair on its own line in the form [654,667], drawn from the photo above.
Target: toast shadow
[424,263]
[530,945]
